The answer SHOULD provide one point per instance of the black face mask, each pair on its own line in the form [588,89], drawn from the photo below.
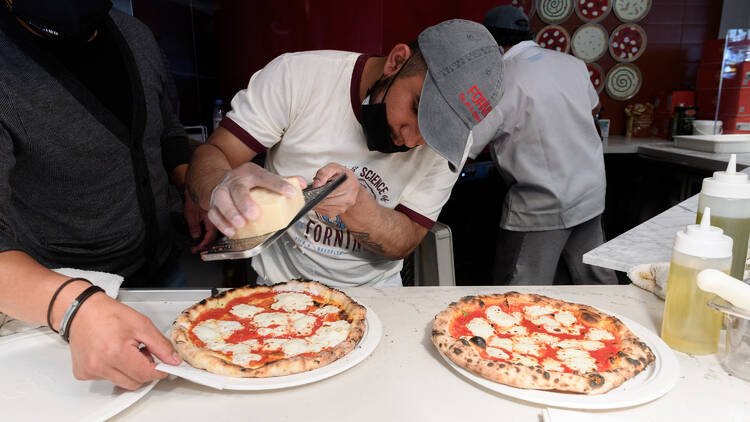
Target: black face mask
[375,123]
[70,21]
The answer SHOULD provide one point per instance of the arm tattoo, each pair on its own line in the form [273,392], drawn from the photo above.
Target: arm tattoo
[364,239]
[193,195]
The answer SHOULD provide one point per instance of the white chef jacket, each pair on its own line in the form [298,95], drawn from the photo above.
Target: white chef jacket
[547,149]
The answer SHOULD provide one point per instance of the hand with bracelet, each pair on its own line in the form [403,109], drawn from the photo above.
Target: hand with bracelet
[108,340]
[105,340]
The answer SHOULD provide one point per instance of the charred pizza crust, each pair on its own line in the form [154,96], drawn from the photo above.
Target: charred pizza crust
[217,363]
[631,358]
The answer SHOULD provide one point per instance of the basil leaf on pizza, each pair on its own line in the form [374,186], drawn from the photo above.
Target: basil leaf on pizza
[535,342]
[269,331]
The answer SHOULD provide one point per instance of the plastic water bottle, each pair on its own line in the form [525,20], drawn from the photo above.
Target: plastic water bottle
[218,113]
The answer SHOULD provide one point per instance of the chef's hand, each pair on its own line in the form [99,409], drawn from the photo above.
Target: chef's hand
[231,206]
[341,199]
[105,341]
[194,216]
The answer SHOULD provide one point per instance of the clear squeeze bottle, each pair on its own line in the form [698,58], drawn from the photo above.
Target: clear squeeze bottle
[727,193]
[689,324]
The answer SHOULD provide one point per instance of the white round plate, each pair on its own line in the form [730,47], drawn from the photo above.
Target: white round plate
[37,383]
[653,382]
[365,347]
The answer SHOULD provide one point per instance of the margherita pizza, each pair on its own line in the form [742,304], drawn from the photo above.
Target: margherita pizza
[596,75]
[532,341]
[593,10]
[627,42]
[269,331]
[553,37]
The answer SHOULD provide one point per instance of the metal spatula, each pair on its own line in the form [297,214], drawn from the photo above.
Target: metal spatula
[226,248]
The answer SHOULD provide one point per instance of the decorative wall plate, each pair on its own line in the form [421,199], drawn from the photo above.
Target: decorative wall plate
[593,10]
[596,74]
[627,42]
[554,11]
[631,10]
[589,42]
[623,81]
[554,37]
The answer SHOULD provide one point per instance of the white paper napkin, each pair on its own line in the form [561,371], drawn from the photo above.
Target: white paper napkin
[651,277]
[560,415]
[198,376]
[109,282]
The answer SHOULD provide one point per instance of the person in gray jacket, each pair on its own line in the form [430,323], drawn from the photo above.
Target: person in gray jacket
[88,145]
[550,156]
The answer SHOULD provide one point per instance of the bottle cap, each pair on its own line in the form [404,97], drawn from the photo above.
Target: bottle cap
[727,184]
[703,240]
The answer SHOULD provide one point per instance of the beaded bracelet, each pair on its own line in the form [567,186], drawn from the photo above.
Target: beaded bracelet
[54,296]
[73,310]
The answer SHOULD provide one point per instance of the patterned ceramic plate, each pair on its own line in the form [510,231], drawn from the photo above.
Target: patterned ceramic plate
[627,42]
[589,42]
[554,11]
[623,81]
[554,37]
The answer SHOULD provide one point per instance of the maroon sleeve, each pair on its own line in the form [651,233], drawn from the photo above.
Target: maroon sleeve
[415,216]
[242,134]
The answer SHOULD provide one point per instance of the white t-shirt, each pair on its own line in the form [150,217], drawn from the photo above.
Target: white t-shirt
[548,150]
[304,109]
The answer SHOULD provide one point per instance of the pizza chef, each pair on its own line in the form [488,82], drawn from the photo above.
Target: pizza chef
[394,125]
[550,157]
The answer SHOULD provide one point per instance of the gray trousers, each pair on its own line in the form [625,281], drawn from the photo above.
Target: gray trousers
[531,258]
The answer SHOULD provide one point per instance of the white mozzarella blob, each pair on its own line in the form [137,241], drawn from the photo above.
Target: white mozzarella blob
[589,345]
[518,330]
[304,325]
[330,334]
[297,346]
[526,348]
[480,327]
[577,360]
[245,358]
[292,301]
[550,364]
[500,342]
[279,330]
[524,360]
[212,330]
[536,311]
[500,318]
[267,319]
[542,338]
[271,344]
[598,334]
[565,317]
[245,311]
[496,353]
[328,309]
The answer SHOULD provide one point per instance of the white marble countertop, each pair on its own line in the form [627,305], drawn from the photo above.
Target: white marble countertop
[624,145]
[648,242]
[405,379]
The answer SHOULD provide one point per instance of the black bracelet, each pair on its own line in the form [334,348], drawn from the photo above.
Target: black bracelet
[73,310]
[54,296]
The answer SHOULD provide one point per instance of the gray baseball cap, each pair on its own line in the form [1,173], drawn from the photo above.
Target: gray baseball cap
[507,17]
[462,85]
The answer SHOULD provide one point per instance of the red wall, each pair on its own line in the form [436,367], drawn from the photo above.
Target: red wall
[251,33]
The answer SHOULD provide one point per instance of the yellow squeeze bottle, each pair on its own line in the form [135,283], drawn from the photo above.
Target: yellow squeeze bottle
[689,324]
[727,193]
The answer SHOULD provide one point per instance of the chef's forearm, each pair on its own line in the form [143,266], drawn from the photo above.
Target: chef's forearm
[26,288]
[205,172]
[382,230]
